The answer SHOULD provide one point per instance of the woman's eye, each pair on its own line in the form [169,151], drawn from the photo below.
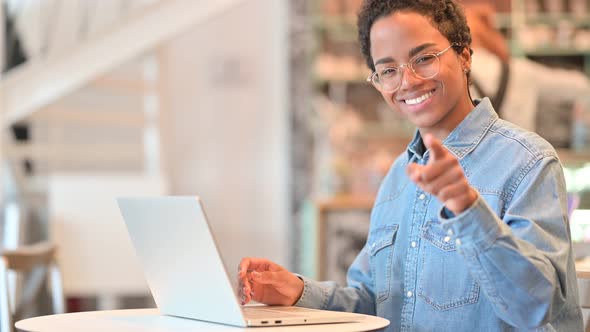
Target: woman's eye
[388,72]
[424,59]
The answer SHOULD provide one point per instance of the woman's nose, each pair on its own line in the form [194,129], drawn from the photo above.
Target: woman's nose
[408,79]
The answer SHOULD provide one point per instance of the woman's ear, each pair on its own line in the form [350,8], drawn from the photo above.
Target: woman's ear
[465,56]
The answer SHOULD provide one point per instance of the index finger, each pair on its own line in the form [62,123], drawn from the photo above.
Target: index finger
[253,264]
[437,150]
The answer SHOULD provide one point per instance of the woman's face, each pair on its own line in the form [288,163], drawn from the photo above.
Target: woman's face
[438,104]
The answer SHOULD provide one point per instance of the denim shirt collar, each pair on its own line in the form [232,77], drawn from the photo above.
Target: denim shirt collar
[465,137]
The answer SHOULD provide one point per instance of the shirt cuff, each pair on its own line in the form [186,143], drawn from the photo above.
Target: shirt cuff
[474,229]
[313,296]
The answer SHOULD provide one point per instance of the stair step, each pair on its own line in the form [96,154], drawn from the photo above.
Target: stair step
[91,117]
[100,152]
[36,84]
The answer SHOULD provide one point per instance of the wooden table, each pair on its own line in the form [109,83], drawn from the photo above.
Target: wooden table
[583,268]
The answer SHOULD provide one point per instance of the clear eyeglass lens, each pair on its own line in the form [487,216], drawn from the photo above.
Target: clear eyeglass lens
[425,66]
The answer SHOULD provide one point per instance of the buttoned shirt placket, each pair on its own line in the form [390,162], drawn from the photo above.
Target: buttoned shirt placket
[419,212]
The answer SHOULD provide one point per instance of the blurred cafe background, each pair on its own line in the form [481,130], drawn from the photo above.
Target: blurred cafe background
[260,107]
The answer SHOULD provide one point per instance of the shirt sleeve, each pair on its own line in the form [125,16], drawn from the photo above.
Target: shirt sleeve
[522,261]
[357,297]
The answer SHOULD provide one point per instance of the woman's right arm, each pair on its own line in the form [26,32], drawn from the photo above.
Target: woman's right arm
[270,283]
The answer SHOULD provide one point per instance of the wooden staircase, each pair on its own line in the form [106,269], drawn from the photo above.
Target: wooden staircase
[97,109]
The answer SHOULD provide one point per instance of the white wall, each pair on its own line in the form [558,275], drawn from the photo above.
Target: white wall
[228,133]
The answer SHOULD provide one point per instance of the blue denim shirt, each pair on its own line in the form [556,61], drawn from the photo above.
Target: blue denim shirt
[504,264]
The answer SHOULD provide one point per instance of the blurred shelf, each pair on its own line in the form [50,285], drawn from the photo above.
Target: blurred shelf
[347,22]
[390,131]
[345,201]
[342,80]
[558,18]
[555,51]
[583,267]
[341,28]
[504,20]
[572,158]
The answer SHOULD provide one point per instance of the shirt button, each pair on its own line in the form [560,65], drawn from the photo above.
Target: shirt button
[422,196]
[450,232]
[458,242]
[447,239]
[413,244]
[409,294]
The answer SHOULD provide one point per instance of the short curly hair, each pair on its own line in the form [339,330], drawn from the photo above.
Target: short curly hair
[446,15]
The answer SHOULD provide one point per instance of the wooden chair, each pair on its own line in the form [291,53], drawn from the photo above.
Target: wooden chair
[25,259]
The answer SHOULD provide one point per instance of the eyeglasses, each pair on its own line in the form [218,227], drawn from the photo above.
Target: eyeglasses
[424,66]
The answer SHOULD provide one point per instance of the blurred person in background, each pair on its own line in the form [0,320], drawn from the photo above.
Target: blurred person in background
[517,86]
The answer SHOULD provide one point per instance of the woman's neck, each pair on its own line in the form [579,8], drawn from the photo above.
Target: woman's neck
[451,120]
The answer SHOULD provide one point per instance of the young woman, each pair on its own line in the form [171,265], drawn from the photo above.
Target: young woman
[469,230]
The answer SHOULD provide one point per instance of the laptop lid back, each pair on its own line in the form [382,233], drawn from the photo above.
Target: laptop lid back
[182,265]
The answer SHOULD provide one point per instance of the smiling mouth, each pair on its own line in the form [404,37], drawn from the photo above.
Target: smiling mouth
[420,99]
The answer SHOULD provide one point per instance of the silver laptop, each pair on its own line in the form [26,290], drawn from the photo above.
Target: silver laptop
[185,271]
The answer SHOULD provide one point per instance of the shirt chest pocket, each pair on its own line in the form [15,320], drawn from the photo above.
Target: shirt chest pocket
[380,246]
[445,282]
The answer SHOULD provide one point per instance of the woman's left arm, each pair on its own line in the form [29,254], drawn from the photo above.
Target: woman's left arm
[523,261]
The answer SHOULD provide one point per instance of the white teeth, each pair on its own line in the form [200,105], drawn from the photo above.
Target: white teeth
[419,99]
